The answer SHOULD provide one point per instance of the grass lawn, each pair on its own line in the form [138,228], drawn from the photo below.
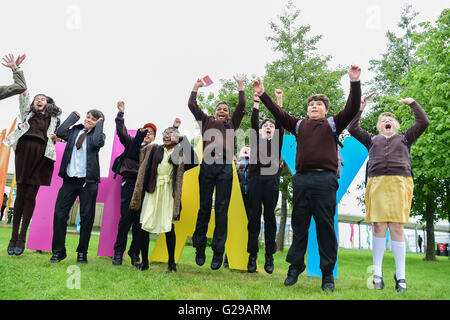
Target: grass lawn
[30,276]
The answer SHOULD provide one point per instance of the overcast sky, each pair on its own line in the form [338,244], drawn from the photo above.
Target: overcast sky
[90,54]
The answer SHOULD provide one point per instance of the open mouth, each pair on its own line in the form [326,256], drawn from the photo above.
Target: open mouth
[221,117]
[388,126]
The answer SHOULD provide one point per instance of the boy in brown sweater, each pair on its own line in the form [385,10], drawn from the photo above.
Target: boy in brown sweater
[315,181]
[216,171]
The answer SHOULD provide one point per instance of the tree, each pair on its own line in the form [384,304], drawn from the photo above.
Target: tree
[429,83]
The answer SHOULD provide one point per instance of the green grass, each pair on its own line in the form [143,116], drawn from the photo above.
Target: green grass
[30,276]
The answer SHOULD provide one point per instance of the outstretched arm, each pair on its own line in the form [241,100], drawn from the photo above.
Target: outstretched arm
[343,118]
[19,84]
[199,115]
[287,121]
[121,129]
[239,111]
[421,121]
[354,128]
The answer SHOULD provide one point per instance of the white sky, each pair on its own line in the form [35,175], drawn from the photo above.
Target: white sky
[90,54]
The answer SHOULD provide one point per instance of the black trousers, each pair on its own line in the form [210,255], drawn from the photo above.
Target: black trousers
[128,219]
[220,177]
[263,190]
[67,194]
[314,196]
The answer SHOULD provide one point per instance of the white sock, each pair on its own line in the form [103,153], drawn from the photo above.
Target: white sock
[399,250]
[379,244]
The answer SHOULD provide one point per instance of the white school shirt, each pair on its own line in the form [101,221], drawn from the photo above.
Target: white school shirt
[78,159]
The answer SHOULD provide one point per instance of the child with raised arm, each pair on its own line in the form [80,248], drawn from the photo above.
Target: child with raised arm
[216,171]
[264,182]
[80,170]
[129,170]
[33,142]
[315,181]
[157,194]
[390,185]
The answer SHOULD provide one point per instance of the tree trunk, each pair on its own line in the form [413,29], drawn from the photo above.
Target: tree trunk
[280,235]
[429,212]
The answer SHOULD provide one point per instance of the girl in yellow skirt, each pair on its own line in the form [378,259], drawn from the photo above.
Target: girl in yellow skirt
[390,185]
[157,194]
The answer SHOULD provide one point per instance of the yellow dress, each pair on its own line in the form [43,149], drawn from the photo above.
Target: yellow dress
[157,207]
[388,199]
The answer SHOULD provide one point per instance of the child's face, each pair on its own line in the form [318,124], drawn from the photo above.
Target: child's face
[170,138]
[150,136]
[90,122]
[388,125]
[317,110]
[267,130]
[245,152]
[222,112]
[40,102]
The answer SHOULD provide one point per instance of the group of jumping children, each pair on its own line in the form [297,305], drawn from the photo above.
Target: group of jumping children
[152,176]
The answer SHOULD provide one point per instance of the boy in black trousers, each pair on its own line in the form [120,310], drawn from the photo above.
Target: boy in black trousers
[216,171]
[315,181]
[80,170]
[263,184]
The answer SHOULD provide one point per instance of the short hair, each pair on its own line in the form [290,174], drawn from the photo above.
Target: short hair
[320,97]
[96,114]
[267,120]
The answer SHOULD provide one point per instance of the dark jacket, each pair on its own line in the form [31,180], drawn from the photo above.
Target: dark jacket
[95,139]
[130,166]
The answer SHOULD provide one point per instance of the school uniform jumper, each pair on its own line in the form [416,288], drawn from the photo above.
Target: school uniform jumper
[315,181]
[216,171]
[264,182]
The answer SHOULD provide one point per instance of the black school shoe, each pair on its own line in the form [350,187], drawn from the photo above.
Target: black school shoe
[328,282]
[251,265]
[134,258]
[216,262]
[172,267]
[268,266]
[398,287]
[293,273]
[19,250]
[11,246]
[117,259]
[200,256]
[82,257]
[57,257]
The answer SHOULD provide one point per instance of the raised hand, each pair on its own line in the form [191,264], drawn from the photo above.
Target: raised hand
[354,73]
[20,59]
[406,100]
[198,84]
[364,100]
[176,123]
[239,78]
[258,86]
[121,106]
[279,95]
[9,61]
